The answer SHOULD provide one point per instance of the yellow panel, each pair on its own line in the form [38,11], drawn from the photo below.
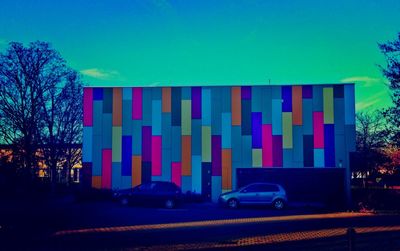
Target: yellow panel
[257,157]
[116,143]
[186,113]
[287,130]
[206,143]
[328,105]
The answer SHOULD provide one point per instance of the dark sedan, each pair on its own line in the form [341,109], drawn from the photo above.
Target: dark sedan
[159,193]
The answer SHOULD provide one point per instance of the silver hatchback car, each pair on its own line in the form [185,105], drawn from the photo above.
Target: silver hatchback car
[256,194]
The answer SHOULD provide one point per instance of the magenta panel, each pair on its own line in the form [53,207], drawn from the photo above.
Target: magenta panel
[267,145]
[137,103]
[106,159]
[176,168]
[156,155]
[216,158]
[318,128]
[87,107]
[146,143]
[277,154]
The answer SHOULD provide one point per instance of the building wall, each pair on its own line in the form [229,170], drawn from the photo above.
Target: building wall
[198,136]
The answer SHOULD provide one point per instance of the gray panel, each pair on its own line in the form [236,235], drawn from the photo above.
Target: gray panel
[127,117]
[166,130]
[236,144]
[97,152]
[186,93]
[288,158]
[156,93]
[247,153]
[256,96]
[276,92]
[307,117]
[226,93]
[266,105]
[318,104]
[116,181]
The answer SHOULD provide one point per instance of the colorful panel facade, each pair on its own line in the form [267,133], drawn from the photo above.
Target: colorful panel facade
[198,136]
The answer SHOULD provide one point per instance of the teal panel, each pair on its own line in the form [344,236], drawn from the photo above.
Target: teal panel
[176,141]
[236,144]
[97,117]
[107,100]
[136,137]
[216,187]
[276,92]
[349,105]
[126,182]
[319,159]
[196,137]
[107,131]
[226,101]
[147,106]
[298,146]
[288,158]
[186,184]
[226,130]
[127,94]
[308,117]
[166,164]
[87,150]
[156,93]
[216,111]
[256,97]
[186,93]
[116,177]
[338,115]
[166,130]
[97,151]
[196,173]
[266,105]
[127,117]
[318,102]
[156,117]
[206,106]
[277,117]
[247,153]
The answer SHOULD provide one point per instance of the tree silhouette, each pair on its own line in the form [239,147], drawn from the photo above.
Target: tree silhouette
[40,106]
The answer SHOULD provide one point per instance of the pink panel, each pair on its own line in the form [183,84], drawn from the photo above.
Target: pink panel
[318,126]
[87,106]
[267,145]
[176,173]
[106,168]
[156,155]
[137,103]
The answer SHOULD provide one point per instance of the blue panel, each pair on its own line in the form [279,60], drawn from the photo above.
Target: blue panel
[156,93]
[216,111]
[288,158]
[186,93]
[307,117]
[166,130]
[246,117]
[166,165]
[126,182]
[97,117]
[136,137]
[318,98]
[107,131]
[206,106]
[276,93]
[256,97]
[107,100]
[298,146]
[236,144]
[147,106]
[226,98]
[98,93]
[87,141]
[247,153]
[116,175]
[126,156]
[176,106]
[226,130]
[329,145]
[127,94]
[286,98]
[256,120]
[266,105]
[319,158]
[196,137]
[156,117]
[176,143]
[196,173]
[338,116]
[97,160]
[186,184]
[216,187]
[349,105]
[126,117]
[276,117]
[350,135]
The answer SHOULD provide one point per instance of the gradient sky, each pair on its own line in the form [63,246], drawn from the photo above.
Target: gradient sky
[161,42]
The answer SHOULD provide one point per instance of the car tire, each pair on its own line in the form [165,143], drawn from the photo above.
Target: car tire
[278,204]
[169,204]
[233,203]
[124,201]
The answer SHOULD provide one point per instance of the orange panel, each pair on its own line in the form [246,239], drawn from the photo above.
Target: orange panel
[136,170]
[96,182]
[226,169]
[117,107]
[236,106]
[166,99]
[297,105]
[186,155]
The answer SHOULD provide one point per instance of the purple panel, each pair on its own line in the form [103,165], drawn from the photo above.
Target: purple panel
[146,143]
[246,92]
[307,91]
[97,93]
[216,157]
[256,129]
[329,144]
[126,156]
[196,102]
[286,98]
[277,150]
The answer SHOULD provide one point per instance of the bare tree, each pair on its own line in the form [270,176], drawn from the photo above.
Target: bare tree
[40,104]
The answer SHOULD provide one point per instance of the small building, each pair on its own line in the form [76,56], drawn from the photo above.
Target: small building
[211,139]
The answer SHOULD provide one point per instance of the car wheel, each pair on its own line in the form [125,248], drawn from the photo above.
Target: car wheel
[169,203]
[124,201]
[233,203]
[279,204]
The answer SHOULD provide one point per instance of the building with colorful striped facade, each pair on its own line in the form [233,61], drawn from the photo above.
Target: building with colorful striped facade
[199,137]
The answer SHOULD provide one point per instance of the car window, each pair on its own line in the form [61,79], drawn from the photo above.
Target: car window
[165,187]
[253,188]
[146,187]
